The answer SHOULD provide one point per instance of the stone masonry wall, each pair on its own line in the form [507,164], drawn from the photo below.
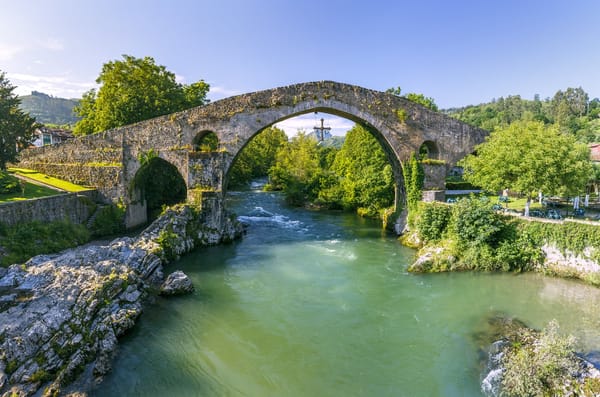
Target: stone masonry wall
[435,177]
[71,206]
[401,126]
[106,179]
[102,148]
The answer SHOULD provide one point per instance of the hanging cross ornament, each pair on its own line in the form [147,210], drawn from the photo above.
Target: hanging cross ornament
[320,131]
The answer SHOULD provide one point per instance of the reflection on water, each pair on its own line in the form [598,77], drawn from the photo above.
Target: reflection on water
[320,304]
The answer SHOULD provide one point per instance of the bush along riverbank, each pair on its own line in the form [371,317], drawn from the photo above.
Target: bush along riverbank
[470,235]
[521,361]
[61,314]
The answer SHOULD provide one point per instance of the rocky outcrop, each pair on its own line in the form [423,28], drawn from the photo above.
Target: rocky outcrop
[61,315]
[523,361]
[177,283]
[562,263]
[566,262]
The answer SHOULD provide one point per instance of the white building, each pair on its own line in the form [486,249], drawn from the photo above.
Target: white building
[49,136]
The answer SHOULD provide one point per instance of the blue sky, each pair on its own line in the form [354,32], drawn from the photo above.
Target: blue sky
[458,52]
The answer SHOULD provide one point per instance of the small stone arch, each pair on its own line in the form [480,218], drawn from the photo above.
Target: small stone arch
[429,150]
[205,141]
[159,183]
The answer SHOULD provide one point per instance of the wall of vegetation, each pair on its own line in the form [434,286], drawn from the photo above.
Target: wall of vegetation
[356,177]
[470,235]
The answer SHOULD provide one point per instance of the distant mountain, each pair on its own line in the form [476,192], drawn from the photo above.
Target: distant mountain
[334,141]
[328,139]
[49,110]
[317,135]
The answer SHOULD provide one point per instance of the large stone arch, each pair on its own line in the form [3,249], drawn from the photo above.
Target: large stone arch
[403,125]
[400,126]
[366,120]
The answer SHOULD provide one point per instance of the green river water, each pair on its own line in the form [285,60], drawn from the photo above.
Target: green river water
[320,304]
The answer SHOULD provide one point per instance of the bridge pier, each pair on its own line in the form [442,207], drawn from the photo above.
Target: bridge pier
[136,213]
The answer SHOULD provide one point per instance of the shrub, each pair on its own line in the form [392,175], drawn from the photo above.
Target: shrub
[167,240]
[23,241]
[9,183]
[540,364]
[478,257]
[432,221]
[475,222]
[109,220]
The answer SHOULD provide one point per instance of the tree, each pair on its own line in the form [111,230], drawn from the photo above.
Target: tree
[297,170]
[132,90]
[365,175]
[16,127]
[257,157]
[529,157]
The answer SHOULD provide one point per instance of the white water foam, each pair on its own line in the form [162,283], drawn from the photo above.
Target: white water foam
[260,215]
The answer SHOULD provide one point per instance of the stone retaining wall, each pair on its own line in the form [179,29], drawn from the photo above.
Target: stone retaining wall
[74,207]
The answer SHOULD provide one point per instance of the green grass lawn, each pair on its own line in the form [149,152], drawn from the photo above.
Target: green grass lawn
[51,186]
[48,180]
[31,191]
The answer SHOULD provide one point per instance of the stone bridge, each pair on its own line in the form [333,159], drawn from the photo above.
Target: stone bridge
[111,159]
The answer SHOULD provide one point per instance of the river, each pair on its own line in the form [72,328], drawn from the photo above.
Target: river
[320,304]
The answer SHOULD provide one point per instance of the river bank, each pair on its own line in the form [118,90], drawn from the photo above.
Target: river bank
[321,303]
[61,315]
[471,236]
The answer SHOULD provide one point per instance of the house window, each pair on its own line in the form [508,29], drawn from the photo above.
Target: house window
[46,139]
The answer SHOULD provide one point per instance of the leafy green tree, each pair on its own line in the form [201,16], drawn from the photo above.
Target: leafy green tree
[16,127]
[529,157]
[571,110]
[365,176]
[132,90]
[297,170]
[257,157]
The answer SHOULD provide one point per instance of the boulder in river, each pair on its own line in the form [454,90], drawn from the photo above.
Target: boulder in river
[177,283]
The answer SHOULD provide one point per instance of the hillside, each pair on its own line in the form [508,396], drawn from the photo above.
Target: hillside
[570,110]
[49,110]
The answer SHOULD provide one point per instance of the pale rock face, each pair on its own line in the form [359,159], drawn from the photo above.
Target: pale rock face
[568,260]
[61,315]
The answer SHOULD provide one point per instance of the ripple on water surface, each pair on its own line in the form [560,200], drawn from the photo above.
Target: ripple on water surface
[312,303]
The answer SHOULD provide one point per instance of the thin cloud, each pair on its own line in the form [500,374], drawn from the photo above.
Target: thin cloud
[8,52]
[179,78]
[306,123]
[52,44]
[58,86]
[217,92]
